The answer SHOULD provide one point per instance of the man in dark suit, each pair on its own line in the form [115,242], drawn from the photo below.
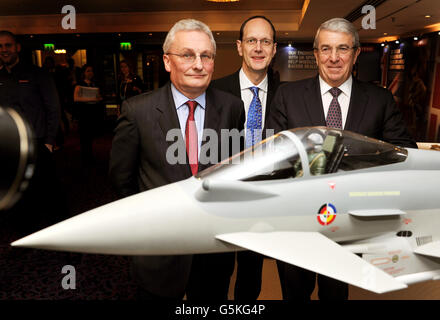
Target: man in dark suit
[30,91]
[139,155]
[334,99]
[257,46]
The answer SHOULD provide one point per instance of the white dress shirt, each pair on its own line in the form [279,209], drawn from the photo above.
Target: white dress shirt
[343,98]
[183,112]
[247,95]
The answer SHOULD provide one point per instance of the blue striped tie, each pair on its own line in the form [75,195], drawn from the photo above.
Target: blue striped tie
[254,120]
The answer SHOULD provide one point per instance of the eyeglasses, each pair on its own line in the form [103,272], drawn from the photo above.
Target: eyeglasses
[263,42]
[190,57]
[340,51]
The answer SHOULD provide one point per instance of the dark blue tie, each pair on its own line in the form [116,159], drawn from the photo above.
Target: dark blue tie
[254,120]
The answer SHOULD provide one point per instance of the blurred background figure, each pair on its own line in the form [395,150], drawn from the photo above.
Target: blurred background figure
[60,74]
[74,75]
[129,83]
[31,92]
[415,101]
[49,64]
[90,112]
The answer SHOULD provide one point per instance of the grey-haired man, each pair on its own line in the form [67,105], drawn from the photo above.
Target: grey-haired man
[334,99]
[139,162]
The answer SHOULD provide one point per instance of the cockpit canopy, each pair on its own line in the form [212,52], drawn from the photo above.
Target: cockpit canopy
[304,152]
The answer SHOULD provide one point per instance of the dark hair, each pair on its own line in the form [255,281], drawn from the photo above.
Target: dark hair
[70,62]
[257,17]
[9,34]
[84,68]
[127,63]
[49,60]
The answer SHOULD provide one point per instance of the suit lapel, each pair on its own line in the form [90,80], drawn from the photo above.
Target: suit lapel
[357,107]
[212,120]
[168,120]
[235,84]
[167,114]
[270,93]
[313,103]
[212,112]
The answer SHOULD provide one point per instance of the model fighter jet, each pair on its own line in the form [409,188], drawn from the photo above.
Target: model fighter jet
[344,205]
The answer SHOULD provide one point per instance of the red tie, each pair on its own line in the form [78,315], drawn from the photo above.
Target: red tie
[191,138]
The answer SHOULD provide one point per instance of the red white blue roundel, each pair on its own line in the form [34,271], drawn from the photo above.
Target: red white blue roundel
[326,214]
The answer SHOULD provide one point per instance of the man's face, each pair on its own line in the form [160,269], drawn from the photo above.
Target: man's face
[88,73]
[9,50]
[190,77]
[257,55]
[334,64]
[125,70]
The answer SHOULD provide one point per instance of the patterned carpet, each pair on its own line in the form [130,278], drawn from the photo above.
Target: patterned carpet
[37,274]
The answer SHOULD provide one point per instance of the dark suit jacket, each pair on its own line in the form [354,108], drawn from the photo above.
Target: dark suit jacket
[231,84]
[372,111]
[31,91]
[138,163]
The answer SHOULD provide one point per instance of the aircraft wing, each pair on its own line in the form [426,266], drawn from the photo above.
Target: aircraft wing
[315,252]
[430,249]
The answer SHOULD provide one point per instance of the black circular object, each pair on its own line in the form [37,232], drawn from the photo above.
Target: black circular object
[17,157]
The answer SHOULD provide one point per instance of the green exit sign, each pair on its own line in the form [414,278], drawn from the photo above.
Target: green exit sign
[125,46]
[49,46]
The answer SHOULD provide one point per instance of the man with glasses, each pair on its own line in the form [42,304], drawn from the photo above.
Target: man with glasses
[256,88]
[334,99]
[149,125]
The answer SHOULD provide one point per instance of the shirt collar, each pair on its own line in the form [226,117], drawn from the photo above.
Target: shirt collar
[9,69]
[245,83]
[180,99]
[345,87]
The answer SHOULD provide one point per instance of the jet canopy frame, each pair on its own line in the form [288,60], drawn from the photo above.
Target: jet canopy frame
[305,152]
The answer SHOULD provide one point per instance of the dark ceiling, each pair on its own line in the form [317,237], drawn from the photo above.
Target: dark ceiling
[29,7]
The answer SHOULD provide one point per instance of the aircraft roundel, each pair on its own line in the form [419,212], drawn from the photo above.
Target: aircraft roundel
[326,214]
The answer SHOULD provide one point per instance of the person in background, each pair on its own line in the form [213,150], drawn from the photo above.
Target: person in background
[73,76]
[59,75]
[129,83]
[31,91]
[89,111]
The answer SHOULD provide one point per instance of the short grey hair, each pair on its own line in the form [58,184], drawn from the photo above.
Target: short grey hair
[187,25]
[339,25]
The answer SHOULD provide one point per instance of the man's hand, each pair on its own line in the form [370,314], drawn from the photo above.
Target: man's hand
[49,146]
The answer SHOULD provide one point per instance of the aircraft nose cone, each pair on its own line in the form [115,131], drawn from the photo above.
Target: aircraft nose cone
[145,223]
